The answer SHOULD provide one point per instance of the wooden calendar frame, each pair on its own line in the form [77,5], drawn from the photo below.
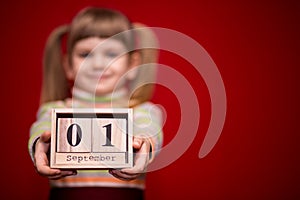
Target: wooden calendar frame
[91,138]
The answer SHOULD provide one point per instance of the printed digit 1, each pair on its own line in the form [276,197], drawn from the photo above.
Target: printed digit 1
[108,135]
[78,134]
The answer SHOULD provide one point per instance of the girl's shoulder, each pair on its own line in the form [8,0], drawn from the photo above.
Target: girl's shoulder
[48,106]
[148,107]
[146,104]
[54,104]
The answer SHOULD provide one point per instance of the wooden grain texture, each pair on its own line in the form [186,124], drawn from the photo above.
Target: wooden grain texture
[84,139]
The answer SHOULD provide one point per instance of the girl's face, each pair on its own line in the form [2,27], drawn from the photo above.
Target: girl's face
[98,65]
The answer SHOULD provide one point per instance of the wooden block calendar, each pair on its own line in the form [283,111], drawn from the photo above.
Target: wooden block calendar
[91,138]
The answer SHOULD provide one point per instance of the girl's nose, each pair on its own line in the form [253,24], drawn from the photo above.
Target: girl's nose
[99,62]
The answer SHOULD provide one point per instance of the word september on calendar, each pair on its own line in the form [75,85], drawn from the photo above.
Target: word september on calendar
[91,138]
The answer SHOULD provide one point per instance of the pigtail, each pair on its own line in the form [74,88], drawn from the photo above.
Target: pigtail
[55,85]
[143,86]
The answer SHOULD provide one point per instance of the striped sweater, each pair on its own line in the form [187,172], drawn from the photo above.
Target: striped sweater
[147,121]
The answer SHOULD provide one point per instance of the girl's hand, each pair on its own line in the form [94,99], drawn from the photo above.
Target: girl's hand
[41,160]
[142,147]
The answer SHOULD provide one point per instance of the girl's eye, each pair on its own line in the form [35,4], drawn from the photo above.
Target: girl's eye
[84,54]
[112,54]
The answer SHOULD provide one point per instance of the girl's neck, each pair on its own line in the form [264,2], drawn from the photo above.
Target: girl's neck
[116,97]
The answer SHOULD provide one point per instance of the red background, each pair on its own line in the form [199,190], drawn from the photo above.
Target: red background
[256,48]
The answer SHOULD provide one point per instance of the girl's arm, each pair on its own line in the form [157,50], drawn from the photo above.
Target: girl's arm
[39,142]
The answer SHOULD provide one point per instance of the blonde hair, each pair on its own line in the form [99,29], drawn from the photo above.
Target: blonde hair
[102,23]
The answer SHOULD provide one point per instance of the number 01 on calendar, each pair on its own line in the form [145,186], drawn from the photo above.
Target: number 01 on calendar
[91,138]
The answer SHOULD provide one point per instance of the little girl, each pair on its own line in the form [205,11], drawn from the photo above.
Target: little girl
[99,68]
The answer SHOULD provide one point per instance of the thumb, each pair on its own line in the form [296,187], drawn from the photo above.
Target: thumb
[46,137]
[137,143]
